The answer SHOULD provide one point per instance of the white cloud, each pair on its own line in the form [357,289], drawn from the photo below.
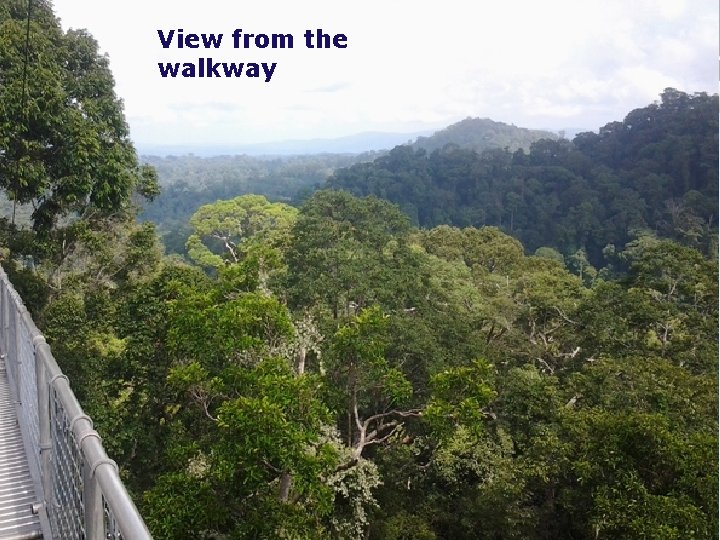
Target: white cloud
[552,64]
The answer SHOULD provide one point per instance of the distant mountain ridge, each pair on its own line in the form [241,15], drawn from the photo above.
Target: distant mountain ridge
[482,134]
[350,144]
[655,171]
[478,134]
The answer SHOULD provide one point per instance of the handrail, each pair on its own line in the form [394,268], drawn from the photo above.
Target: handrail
[79,485]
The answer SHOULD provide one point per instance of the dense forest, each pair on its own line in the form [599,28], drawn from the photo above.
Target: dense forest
[334,372]
[652,173]
[458,366]
[190,181]
[656,171]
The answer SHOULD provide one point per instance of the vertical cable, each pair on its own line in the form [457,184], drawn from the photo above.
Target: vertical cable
[23,97]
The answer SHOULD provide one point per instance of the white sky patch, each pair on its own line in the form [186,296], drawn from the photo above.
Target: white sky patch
[408,64]
[672,9]
[643,80]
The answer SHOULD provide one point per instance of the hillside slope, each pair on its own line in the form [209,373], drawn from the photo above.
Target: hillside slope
[655,171]
[482,134]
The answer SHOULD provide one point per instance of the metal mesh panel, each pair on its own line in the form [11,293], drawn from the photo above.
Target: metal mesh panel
[28,390]
[67,514]
[10,363]
[112,529]
[63,464]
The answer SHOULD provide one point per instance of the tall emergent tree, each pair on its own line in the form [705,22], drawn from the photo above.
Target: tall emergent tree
[64,143]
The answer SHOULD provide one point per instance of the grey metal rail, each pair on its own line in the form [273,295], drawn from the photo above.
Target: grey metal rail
[18,518]
[81,494]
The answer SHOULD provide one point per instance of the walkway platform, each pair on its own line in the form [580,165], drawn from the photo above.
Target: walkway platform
[17,495]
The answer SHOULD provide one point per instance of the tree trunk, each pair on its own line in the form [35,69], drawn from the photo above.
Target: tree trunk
[286,477]
[300,360]
[285,485]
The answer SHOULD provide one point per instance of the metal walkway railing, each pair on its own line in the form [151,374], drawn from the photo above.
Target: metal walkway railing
[78,493]
[18,515]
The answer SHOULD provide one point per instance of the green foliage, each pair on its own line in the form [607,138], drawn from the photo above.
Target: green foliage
[354,497]
[189,182]
[184,506]
[30,286]
[528,401]
[349,252]
[226,230]
[629,467]
[667,307]
[550,253]
[358,348]
[487,248]
[318,383]
[405,526]
[594,415]
[251,425]
[212,328]
[656,170]
[234,418]
[459,398]
[64,142]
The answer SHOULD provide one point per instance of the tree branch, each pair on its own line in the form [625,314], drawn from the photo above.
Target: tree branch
[396,428]
[410,412]
[565,317]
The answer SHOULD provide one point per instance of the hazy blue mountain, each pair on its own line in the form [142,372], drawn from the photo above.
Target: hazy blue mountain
[351,144]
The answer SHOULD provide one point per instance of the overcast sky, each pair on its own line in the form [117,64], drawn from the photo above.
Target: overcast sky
[409,65]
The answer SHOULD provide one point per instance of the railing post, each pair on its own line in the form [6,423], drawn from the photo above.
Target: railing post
[92,497]
[18,352]
[12,362]
[45,439]
[3,316]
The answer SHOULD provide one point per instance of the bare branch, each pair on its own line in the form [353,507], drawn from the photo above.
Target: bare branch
[229,245]
[201,397]
[573,400]
[355,411]
[384,438]
[565,317]
[572,354]
[271,466]
[374,433]
[546,366]
[410,412]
